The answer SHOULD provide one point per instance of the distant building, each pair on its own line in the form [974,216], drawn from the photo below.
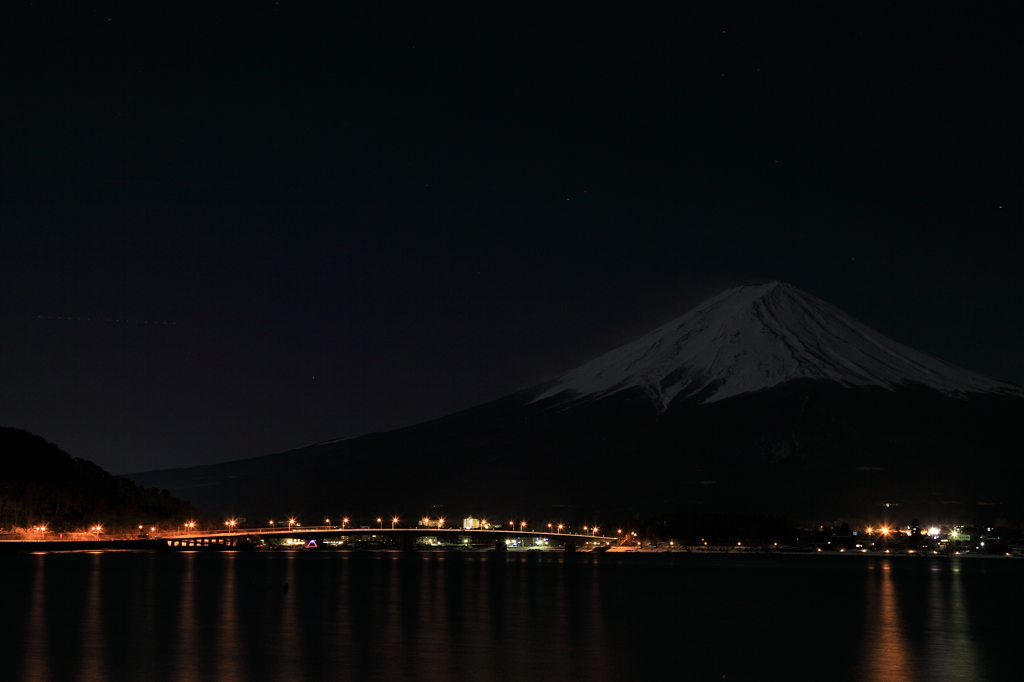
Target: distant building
[469,523]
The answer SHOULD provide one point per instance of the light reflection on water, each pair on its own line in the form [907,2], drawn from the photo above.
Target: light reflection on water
[188,656]
[952,653]
[887,655]
[36,656]
[231,616]
[229,655]
[290,659]
[941,647]
[94,648]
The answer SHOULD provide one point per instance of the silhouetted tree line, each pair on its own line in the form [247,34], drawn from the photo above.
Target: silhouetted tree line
[40,483]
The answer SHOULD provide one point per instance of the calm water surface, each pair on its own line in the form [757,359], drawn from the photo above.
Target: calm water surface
[434,616]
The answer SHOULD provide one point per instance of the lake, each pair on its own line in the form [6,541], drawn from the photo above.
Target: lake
[429,616]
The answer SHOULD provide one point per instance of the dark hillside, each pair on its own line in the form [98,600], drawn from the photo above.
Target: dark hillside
[40,483]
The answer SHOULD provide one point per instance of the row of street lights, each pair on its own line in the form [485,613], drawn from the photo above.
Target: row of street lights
[344,522]
[232,524]
[552,527]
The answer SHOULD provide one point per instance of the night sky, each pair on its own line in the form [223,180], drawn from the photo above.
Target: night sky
[228,231]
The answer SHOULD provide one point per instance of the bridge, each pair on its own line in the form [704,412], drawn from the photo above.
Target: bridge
[405,538]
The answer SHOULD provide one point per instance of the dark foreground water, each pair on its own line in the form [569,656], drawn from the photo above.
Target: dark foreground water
[434,616]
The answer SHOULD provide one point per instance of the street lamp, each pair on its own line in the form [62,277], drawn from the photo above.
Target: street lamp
[594,533]
[344,523]
[549,527]
[327,521]
[560,526]
[380,523]
[440,522]
[291,522]
[394,520]
[522,525]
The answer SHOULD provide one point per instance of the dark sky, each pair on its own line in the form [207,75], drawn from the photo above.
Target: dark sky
[227,232]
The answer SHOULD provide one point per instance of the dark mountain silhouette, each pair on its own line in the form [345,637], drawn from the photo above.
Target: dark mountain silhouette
[40,483]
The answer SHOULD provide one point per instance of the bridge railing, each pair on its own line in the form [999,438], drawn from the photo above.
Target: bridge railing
[361,530]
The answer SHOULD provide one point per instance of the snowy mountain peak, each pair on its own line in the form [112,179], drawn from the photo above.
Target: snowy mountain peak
[754,337]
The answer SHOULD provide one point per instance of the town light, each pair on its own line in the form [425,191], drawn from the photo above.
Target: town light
[560,527]
[394,520]
[380,522]
[344,522]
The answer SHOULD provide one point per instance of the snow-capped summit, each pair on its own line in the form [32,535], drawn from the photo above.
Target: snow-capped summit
[754,337]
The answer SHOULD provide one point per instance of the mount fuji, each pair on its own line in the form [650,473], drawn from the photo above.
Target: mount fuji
[751,338]
[763,399]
